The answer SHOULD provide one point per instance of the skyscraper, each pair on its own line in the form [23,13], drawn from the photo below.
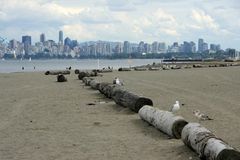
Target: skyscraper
[42,37]
[61,36]
[27,42]
[200,45]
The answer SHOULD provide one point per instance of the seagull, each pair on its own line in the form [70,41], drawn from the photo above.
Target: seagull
[175,107]
[117,81]
[201,116]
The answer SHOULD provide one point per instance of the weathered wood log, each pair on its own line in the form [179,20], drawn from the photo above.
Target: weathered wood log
[153,69]
[81,75]
[105,70]
[94,84]
[206,144]
[124,69]
[140,69]
[61,78]
[165,121]
[77,71]
[87,80]
[57,72]
[107,89]
[127,99]
[175,67]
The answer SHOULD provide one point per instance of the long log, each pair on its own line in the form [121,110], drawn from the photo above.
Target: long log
[127,99]
[105,70]
[153,69]
[102,85]
[165,121]
[61,78]
[140,69]
[57,72]
[87,80]
[124,69]
[81,75]
[94,84]
[206,144]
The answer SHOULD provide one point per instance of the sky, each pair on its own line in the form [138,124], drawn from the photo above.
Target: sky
[216,21]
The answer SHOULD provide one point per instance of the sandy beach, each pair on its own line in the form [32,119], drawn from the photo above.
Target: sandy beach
[43,119]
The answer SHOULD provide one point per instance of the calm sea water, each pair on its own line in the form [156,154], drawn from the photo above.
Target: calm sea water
[8,66]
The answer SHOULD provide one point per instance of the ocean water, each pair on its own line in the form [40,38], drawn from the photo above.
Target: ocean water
[8,66]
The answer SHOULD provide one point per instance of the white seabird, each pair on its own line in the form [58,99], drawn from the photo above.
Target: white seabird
[201,116]
[117,81]
[175,107]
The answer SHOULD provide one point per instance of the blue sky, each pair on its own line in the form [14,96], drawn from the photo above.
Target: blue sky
[216,21]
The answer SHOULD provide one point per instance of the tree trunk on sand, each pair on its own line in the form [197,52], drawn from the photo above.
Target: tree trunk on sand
[81,75]
[57,72]
[140,69]
[206,144]
[107,89]
[124,69]
[94,84]
[105,70]
[165,121]
[61,78]
[153,69]
[77,71]
[127,99]
[87,80]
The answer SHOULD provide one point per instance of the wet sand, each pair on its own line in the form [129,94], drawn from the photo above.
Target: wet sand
[43,119]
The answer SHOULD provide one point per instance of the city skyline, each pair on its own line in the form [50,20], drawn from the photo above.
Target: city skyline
[132,20]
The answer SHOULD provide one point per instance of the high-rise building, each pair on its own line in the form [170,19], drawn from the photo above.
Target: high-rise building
[67,42]
[13,44]
[61,37]
[162,47]
[126,47]
[204,47]
[200,45]
[141,47]
[42,38]
[155,47]
[27,42]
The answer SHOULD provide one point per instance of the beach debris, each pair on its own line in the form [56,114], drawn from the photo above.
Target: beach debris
[124,69]
[175,107]
[140,69]
[94,84]
[82,74]
[91,104]
[201,116]
[131,100]
[57,72]
[165,121]
[207,145]
[61,78]
[76,71]
[87,80]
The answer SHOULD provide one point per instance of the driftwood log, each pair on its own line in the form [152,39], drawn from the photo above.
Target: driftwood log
[77,71]
[124,69]
[165,121]
[206,144]
[105,70]
[108,89]
[57,72]
[94,84]
[140,69]
[61,78]
[153,69]
[81,75]
[127,99]
[87,80]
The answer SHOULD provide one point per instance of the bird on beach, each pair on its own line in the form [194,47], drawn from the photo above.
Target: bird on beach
[175,107]
[201,116]
[117,81]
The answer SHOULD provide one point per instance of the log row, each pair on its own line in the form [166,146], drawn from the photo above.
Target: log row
[82,74]
[199,139]
[57,72]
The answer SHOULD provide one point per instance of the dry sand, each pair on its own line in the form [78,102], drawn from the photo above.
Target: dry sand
[41,119]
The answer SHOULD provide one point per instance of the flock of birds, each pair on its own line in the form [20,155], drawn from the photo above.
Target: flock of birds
[175,107]
[197,113]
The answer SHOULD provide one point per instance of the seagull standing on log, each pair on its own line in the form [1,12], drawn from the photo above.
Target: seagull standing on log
[175,107]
